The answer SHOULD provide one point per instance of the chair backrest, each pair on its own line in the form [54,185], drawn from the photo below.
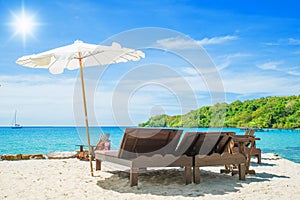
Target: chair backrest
[204,143]
[251,132]
[148,141]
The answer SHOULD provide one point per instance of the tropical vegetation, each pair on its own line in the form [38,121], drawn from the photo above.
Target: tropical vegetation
[266,112]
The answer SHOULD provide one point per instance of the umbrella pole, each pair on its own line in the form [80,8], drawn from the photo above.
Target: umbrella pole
[85,113]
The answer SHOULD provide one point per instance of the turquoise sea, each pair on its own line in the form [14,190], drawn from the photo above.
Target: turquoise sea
[285,143]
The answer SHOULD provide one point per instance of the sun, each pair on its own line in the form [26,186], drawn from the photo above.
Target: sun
[23,24]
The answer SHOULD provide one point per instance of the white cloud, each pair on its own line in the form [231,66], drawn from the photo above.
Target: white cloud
[294,41]
[190,71]
[216,40]
[225,61]
[177,43]
[276,66]
[294,71]
[269,65]
[271,43]
[185,43]
[256,83]
[223,65]
[249,82]
[283,42]
[235,55]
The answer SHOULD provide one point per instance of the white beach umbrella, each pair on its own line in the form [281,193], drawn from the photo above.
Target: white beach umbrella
[79,55]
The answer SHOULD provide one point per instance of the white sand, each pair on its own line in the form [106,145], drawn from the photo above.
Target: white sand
[276,178]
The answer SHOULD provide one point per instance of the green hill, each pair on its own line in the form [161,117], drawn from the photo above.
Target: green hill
[268,112]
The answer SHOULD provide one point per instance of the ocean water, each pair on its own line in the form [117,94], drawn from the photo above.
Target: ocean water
[285,143]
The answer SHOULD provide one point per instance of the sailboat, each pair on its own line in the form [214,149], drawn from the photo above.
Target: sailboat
[15,125]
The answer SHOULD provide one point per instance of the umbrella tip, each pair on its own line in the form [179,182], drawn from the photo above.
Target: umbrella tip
[78,41]
[116,45]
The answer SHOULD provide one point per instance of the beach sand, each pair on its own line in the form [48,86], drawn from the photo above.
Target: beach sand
[276,178]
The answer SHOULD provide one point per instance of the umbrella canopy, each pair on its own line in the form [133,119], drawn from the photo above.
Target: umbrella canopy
[66,57]
[79,55]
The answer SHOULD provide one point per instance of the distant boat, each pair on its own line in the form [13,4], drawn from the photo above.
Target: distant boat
[15,125]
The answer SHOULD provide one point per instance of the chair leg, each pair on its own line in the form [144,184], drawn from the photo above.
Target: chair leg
[98,165]
[196,175]
[257,154]
[259,158]
[242,171]
[134,172]
[187,175]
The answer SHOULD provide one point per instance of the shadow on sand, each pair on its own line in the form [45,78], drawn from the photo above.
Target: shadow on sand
[263,164]
[170,183]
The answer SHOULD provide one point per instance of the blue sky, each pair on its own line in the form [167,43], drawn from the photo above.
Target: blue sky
[254,47]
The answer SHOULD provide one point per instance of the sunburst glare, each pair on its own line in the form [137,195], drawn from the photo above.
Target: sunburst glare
[23,24]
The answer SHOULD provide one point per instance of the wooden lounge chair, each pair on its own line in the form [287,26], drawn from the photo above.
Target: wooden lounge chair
[212,149]
[256,152]
[143,147]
